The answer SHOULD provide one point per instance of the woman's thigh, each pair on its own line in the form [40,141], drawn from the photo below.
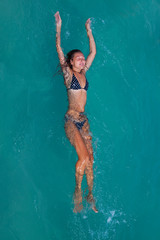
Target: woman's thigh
[86,134]
[76,140]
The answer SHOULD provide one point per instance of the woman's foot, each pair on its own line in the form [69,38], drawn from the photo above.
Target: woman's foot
[77,201]
[91,201]
[94,209]
[78,208]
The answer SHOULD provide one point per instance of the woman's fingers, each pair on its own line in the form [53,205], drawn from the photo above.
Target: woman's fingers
[57,17]
[88,24]
[89,20]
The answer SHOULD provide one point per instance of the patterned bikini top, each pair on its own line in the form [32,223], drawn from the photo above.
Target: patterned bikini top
[75,84]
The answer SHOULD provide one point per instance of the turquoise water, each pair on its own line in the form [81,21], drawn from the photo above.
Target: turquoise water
[37,161]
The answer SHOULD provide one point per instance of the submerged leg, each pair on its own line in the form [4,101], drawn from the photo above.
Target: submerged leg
[80,166]
[89,166]
[89,176]
[83,157]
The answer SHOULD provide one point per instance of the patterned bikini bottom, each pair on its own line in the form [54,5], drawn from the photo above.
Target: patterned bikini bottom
[78,124]
[80,121]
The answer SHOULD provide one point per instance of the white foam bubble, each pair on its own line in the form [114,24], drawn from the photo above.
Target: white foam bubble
[67,34]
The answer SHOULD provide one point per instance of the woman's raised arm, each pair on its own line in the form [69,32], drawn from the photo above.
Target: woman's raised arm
[92,45]
[58,38]
[61,56]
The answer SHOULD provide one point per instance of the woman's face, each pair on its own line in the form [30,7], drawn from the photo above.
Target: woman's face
[78,61]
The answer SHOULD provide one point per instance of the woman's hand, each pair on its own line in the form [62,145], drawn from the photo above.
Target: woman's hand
[88,25]
[58,20]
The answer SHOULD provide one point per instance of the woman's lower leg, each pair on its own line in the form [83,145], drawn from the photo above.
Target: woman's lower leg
[89,176]
[80,167]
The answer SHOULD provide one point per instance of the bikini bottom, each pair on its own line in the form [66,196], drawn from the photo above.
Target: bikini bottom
[78,124]
[80,121]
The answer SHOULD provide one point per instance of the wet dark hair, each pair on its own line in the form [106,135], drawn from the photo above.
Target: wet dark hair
[67,63]
[70,56]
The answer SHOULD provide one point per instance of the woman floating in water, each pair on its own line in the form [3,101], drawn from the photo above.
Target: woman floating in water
[74,68]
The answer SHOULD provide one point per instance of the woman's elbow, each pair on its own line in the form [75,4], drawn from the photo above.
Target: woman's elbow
[94,53]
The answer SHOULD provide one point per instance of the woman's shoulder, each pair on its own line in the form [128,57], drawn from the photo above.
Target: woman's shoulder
[67,74]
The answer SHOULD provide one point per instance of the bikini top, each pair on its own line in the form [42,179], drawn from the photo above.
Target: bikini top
[75,84]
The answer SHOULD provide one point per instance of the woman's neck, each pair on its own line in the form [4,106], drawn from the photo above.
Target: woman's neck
[76,70]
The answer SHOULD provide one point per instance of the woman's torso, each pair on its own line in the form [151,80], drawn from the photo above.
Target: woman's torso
[77,91]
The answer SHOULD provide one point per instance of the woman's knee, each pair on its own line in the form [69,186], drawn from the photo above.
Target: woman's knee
[85,158]
[82,163]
